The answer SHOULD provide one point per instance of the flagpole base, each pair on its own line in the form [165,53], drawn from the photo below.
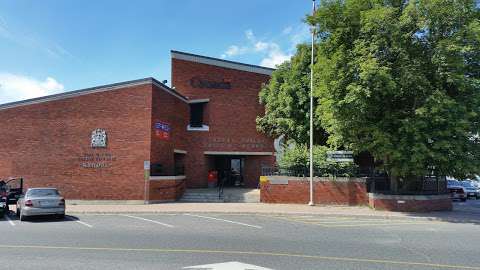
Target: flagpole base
[311,203]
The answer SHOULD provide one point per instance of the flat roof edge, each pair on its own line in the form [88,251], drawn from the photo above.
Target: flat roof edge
[221,62]
[91,90]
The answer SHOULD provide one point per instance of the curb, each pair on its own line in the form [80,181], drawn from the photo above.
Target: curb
[390,217]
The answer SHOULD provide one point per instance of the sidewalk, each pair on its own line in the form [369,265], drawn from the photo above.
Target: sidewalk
[457,215]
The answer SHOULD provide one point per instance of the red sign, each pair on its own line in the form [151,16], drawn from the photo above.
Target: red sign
[162,130]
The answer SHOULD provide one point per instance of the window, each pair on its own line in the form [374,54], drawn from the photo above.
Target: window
[196,115]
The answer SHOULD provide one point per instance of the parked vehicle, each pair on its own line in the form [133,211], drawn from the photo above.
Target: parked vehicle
[12,188]
[476,184]
[470,189]
[39,202]
[456,190]
[3,202]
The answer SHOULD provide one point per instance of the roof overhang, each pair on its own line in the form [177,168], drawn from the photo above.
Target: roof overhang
[221,63]
[97,89]
[203,100]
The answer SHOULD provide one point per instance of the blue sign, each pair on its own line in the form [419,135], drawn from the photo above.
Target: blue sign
[162,126]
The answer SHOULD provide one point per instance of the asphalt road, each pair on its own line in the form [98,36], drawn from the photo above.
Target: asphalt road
[177,241]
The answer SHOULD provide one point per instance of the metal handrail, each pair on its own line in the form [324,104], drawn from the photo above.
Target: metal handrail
[221,185]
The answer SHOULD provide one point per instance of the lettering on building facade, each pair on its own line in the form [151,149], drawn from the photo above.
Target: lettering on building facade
[198,82]
[96,160]
[245,143]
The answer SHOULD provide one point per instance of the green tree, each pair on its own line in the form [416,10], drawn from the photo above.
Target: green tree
[287,101]
[400,79]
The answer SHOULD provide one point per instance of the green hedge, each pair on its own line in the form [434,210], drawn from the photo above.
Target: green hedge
[295,159]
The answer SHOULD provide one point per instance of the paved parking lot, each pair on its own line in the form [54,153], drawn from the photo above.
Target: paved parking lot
[272,241]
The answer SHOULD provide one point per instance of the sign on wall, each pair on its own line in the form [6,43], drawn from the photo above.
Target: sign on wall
[340,156]
[199,82]
[99,138]
[162,130]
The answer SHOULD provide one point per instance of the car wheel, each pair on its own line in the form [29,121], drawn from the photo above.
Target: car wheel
[18,212]
[22,217]
[464,199]
[61,216]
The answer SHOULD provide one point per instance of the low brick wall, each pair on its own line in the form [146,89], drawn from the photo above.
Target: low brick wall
[286,189]
[410,203]
[165,188]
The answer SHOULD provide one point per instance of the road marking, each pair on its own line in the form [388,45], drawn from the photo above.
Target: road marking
[79,221]
[225,220]
[249,253]
[228,266]
[9,220]
[341,221]
[149,220]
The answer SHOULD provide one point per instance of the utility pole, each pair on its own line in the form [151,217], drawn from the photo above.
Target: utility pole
[311,203]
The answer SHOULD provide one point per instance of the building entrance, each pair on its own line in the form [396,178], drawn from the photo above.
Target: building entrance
[230,170]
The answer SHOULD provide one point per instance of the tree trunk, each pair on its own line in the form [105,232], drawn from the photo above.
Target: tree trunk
[393,184]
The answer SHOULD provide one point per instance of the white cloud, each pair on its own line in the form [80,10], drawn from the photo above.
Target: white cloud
[261,46]
[234,50]
[287,30]
[275,56]
[300,34]
[18,87]
[271,50]
[250,36]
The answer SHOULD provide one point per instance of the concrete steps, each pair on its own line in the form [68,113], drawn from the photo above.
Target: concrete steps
[237,195]
[201,195]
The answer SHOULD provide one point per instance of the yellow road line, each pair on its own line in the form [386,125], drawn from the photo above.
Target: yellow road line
[250,253]
[375,224]
[361,221]
[321,219]
[332,225]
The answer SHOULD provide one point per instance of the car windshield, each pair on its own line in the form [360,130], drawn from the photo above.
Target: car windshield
[453,183]
[42,192]
[467,184]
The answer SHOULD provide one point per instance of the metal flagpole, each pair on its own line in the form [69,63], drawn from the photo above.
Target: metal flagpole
[311,203]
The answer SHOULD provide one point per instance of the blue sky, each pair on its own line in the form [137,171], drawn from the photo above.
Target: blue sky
[52,46]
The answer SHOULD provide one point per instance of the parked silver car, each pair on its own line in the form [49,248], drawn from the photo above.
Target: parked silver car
[470,189]
[41,201]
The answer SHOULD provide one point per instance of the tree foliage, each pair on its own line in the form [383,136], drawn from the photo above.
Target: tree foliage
[287,101]
[399,79]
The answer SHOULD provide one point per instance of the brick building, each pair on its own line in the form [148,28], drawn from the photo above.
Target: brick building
[142,140]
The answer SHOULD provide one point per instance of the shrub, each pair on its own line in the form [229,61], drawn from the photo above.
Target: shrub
[295,161]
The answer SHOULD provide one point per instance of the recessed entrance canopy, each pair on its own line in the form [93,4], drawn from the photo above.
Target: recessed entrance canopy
[221,153]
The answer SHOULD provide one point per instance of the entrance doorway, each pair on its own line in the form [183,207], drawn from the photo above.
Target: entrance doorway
[230,170]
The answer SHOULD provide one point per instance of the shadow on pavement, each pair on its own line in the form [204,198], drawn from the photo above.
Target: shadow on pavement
[41,219]
[463,212]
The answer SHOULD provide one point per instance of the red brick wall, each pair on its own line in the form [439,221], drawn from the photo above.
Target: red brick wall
[168,109]
[253,169]
[166,190]
[325,192]
[231,115]
[411,205]
[45,143]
